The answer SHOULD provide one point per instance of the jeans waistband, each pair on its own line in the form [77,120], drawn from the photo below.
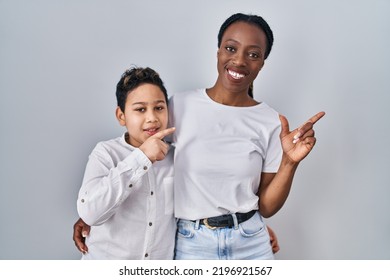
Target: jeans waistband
[226,220]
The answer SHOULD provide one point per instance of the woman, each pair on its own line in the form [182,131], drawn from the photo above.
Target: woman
[229,168]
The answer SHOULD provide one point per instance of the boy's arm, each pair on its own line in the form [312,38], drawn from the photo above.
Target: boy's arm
[105,186]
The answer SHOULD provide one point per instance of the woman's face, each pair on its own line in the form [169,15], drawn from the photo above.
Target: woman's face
[241,56]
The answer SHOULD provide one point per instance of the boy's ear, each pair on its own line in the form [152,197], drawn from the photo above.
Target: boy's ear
[120,116]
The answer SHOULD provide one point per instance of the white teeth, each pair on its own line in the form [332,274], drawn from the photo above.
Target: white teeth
[235,75]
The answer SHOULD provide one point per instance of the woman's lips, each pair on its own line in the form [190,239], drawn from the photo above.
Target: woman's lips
[235,75]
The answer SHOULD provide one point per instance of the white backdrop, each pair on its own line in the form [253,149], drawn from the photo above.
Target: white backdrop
[59,64]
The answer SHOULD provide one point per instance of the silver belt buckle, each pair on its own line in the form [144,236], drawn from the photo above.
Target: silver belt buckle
[206,223]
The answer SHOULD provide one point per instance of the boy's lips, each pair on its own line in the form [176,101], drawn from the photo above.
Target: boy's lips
[151,131]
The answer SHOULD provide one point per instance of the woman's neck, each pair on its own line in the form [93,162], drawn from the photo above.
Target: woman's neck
[237,99]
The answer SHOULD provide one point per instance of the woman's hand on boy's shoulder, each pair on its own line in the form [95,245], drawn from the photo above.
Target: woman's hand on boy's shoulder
[80,232]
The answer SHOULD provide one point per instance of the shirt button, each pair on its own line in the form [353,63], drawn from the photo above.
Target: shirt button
[150,224]
[146,255]
[131,185]
[145,167]
[82,201]
[151,193]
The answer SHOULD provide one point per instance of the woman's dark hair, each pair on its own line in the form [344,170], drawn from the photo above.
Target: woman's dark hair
[251,19]
[134,77]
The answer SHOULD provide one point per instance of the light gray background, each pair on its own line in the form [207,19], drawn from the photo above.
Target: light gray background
[59,64]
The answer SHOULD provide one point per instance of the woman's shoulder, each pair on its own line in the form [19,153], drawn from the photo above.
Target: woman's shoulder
[265,113]
[188,93]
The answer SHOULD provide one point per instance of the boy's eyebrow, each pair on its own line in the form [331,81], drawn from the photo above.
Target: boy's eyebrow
[145,103]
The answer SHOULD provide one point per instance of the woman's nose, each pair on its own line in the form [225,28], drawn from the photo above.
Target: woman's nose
[239,59]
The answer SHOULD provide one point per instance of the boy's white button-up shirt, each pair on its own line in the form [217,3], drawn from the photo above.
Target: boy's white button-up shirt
[128,201]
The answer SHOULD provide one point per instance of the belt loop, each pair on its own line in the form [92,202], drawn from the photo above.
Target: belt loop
[197,224]
[235,221]
[261,218]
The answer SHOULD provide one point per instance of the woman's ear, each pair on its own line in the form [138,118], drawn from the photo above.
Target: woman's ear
[120,116]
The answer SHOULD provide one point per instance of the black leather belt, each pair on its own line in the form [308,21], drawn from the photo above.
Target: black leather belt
[226,220]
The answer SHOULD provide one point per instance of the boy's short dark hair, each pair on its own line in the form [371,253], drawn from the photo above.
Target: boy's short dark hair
[133,78]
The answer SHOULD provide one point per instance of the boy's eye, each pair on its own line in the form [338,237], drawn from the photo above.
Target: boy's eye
[140,109]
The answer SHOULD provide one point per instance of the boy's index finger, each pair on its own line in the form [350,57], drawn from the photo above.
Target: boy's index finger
[316,117]
[161,134]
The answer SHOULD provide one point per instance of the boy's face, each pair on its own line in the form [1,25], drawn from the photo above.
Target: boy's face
[145,114]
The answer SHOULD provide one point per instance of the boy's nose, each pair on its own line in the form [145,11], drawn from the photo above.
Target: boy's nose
[151,117]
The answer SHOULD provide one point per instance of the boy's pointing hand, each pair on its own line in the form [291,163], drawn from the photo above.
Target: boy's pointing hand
[155,147]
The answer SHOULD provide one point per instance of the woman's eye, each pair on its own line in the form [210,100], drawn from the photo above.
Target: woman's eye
[159,108]
[254,55]
[230,49]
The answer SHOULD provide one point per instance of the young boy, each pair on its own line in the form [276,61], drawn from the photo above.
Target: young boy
[127,191]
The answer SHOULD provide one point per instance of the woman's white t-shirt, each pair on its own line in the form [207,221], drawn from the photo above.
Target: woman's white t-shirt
[220,154]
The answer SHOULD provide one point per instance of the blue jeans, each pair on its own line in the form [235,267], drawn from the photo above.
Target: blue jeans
[246,241]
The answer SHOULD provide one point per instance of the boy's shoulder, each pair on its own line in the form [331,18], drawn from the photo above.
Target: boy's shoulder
[111,142]
[111,145]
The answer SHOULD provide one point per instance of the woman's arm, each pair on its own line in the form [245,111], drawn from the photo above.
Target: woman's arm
[297,144]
